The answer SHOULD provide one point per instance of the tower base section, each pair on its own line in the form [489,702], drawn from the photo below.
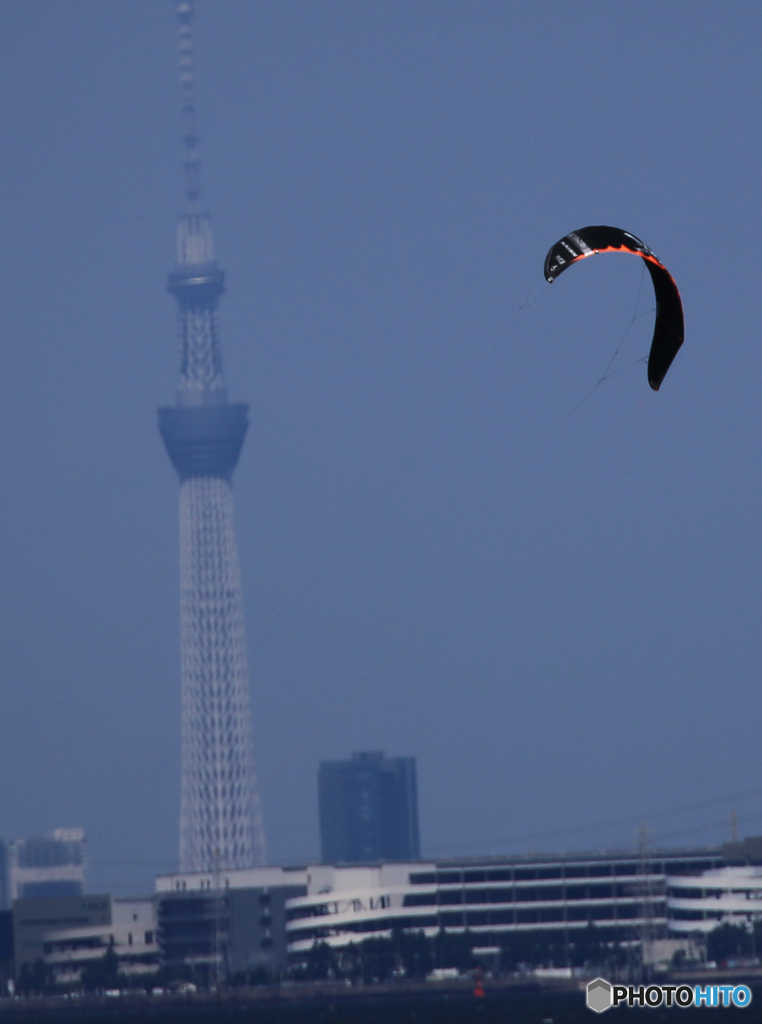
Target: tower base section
[220,821]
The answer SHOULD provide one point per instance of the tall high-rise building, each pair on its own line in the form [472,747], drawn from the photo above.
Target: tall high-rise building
[220,821]
[368,809]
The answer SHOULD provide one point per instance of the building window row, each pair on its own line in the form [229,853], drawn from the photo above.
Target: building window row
[482,919]
[568,894]
[542,894]
[593,870]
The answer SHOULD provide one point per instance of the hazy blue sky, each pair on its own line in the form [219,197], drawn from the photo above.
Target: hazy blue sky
[555,607]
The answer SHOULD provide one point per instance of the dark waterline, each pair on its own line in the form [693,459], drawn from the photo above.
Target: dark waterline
[383,1008]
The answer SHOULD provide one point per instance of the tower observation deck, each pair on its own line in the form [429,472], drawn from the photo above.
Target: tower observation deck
[220,820]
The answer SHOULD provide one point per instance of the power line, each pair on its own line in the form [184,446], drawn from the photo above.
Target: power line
[634,819]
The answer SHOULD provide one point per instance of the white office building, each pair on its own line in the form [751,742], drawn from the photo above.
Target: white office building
[491,899]
[726,895]
[131,933]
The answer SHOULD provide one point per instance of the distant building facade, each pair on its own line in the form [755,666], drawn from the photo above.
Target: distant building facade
[494,899]
[34,918]
[45,867]
[497,900]
[130,932]
[230,932]
[729,895]
[229,922]
[368,809]
[6,947]
[5,901]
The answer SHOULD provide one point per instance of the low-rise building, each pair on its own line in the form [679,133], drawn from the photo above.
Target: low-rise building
[239,920]
[34,918]
[131,932]
[6,947]
[231,922]
[728,895]
[731,893]
[495,898]
[5,903]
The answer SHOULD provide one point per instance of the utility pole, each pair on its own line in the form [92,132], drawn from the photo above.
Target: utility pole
[646,903]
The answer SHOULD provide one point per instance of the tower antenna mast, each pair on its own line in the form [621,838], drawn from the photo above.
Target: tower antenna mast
[188,109]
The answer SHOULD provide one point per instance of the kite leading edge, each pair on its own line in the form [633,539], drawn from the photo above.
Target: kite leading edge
[669,328]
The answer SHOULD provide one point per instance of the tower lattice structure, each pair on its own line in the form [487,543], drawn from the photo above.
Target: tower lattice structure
[220,820]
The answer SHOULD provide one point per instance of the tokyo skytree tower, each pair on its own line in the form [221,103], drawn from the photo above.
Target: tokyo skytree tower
[220,821]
